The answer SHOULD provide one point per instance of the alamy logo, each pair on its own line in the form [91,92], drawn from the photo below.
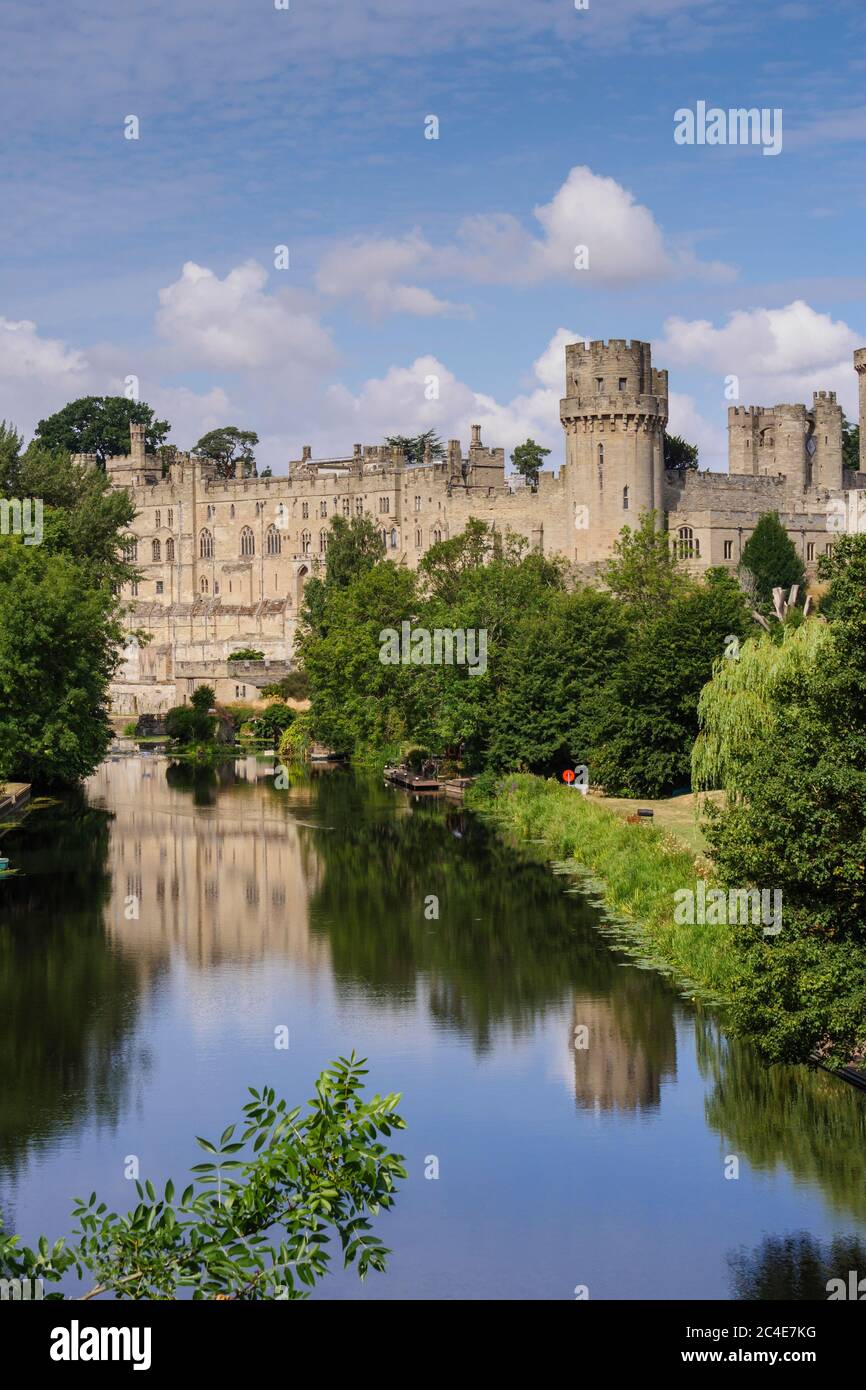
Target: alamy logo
[739,126]
[854,1290]
[21,1290]
[445,646]
[75,1343]
[714,907]
[19,518]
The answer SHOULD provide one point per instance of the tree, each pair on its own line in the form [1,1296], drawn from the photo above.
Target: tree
[527,459]
[187,725]
[354,547]
[770,555]
[417,446]
[679,455]
[227,447]
[252,1224]
[59,639]
[202,698]
[851,446]
[642,569]
[100,425]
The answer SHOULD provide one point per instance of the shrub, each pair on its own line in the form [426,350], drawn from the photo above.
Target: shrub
[246,654]
[203,698]
[187,725]
[294,686]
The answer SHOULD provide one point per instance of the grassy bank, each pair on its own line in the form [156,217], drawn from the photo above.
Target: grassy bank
[634,870]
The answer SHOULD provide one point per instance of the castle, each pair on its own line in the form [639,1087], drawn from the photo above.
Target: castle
[223,561]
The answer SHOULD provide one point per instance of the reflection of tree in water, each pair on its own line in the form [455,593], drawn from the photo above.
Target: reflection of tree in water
[68,1001]
[789,1117]
[795,1267]
[508,943]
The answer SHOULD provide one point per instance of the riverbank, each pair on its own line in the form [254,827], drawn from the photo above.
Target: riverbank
[633,870]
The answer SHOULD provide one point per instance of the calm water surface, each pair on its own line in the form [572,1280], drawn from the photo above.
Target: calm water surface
[305,908]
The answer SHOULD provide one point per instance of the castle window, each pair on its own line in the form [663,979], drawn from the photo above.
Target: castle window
[418,540]
[417,504]
[259,508]
[323,507]
[623,383]
[203,585]
[810,550]
[393,538]
[248,542]
[305,509]
[157,521]
[437,535]
[601,467]
[130,552]
[359,506]
[828,548]
[729,550]
[599,381]
[171,516]
[323,542]
[305,542]
[155,550]
[159,586]
[232,511]
[216,586]
[134,588]
[625,498]
[211,512]
[205,544]
[169,550]
[384,534]
[685,546]
[347,506]
[273,541]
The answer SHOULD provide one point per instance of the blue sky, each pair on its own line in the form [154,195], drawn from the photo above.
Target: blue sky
[412,258]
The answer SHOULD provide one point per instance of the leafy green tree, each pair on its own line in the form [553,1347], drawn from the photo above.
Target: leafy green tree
[679,455]
[59,639]
[770,555]
[416,446]
[187,725]
[354,546]
[851,446]
[273,721]
[100,425]
[643,571]
[254,1222]
[528,459]
[246,654]
[294,686]
[203,698]
[229,446]
[645,719]
[797,825]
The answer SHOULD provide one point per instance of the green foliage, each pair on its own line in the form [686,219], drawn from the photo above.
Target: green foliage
[294,686]
[273,721]
[528,459]
[354,547]
[246,654]
[794,757]
[59,639]
[642,570]
[100,425]
[851,446]
[203,698]
[227,447]
[185,724]
[131,729]
[680,456]
[415,446]
[771,557]
[255,1220]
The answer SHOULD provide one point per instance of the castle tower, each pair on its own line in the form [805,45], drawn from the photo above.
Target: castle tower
[614,414]
[860,369]
[827,439]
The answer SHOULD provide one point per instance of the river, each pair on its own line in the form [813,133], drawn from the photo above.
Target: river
[608,1167]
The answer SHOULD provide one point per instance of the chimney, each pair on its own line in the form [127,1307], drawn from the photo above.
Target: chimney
[476,437]
[136,444]
[358,450]
[306,453]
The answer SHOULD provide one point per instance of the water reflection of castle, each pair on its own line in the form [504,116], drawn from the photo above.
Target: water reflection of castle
[226,885]
[622,1065]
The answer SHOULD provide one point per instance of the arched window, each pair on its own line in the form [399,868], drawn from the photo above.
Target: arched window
[417,540]
[203,585]
[323,542]
[205,544]
[273,541]
[323,507]
[305,542]
[158,519]
[347,506]
[625,498]
[248,542]
[169,550]
[437,535]
[155,550]
[130,552]
[393,537]
[232,511]
[685,546]
[171,516]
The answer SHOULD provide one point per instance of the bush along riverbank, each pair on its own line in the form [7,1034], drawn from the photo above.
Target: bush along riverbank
[632,871]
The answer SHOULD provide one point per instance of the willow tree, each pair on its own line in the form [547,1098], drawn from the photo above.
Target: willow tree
[751,697]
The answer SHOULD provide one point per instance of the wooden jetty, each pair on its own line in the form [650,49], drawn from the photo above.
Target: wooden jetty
[412,781]
[13,795]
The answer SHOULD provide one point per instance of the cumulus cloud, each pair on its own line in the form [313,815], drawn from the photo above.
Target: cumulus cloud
[592,231]
[778,354]
[711,437]
[234,324]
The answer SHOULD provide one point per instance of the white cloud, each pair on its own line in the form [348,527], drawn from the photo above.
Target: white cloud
[235,325]
[711,438]
[778,354]
[374,271]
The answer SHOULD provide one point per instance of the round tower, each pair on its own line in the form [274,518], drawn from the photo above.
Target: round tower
[614,414]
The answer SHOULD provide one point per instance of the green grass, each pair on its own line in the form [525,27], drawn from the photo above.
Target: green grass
[634,869]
